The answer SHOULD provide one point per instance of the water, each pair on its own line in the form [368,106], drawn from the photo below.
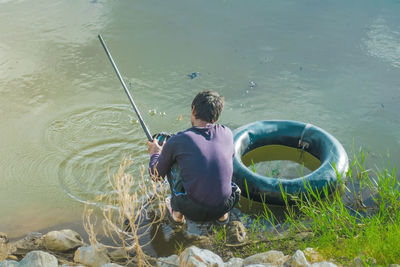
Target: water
[280,161]
[64,117]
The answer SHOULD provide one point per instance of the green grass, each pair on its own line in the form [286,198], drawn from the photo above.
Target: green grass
[345,230]
[342,226]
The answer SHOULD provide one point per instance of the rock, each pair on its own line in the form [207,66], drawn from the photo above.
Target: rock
[260,265]
[196,257]
[3,238]
[38,259]
[111,265]
[3,246]
[323,264]
[394,265]
[299,260]
[312,255]
[62,241]
[234,262]
[92,256]
[8,264]
[236,232]
[203,242]
[116,254]
[33,241]
[272,257]
[170,261]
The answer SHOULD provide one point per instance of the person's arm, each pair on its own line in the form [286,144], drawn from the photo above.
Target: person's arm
[161,158]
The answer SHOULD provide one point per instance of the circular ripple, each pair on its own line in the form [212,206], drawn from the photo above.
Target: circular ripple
[84,175]
[92,124]
[91,143]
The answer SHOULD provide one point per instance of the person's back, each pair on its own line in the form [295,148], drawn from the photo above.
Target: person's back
[204,154]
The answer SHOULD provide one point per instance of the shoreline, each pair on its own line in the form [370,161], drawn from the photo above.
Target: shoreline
[67,248]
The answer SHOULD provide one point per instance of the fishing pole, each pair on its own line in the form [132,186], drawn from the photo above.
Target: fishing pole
[145,129]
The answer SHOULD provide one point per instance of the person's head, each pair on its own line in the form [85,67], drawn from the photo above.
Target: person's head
[207,106]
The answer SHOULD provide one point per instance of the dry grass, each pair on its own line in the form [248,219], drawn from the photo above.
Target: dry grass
[135,205]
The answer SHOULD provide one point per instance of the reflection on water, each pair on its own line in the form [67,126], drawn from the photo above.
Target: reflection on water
[383,42]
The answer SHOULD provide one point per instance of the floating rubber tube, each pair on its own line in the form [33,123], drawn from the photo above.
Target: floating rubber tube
[298,135]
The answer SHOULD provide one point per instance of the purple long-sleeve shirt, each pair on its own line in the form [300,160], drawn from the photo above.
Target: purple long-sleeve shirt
[204,155]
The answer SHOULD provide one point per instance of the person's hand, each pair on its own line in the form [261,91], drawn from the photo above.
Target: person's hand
[154,147]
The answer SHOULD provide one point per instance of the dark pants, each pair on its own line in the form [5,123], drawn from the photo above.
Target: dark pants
[192,209]
[199,212]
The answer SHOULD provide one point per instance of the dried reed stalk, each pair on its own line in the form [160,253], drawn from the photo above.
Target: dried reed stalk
[134,206]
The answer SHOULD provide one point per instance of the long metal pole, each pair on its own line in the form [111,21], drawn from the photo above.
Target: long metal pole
[145,129]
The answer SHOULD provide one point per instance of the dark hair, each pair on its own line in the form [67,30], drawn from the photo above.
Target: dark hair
[208,106]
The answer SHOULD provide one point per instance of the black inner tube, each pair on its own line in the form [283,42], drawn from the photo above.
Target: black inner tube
[310,138]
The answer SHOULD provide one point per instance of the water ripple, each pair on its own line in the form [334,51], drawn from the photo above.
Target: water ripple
[84,175]
[87,125]
[92,142]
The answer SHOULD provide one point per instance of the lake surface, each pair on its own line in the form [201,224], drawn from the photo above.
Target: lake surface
[64,118]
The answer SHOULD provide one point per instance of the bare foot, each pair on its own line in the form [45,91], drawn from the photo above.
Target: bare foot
[177,216]
[224,217]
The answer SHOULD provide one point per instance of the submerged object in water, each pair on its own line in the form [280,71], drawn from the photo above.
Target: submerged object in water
[193,75]
[297,135]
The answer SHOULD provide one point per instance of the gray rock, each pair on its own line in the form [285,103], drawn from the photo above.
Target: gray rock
[33,241]
[116,254]
[111,265]
[323,264]
[234,262]
[62,241]
[312,255]
[236,232]
[3,238]
[38,259]
[196,257]
[299,260]
[3,246]
[170,261]
[272,257]
[8,264]
[92,256]
[203,242]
